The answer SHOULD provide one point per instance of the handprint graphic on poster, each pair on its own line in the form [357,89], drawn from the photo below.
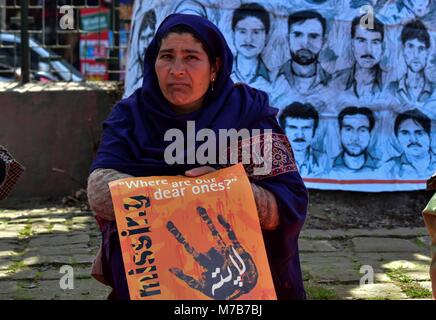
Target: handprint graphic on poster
[229,270]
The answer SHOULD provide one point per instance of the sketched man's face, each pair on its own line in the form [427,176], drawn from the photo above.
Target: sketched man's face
[306,41]
[413,139]
[355,134]
[300,132]
[250,37]
[144,40]
[416,55]
[419,7]
[367,47]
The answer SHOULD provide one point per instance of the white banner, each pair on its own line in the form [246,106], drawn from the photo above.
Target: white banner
[354,80]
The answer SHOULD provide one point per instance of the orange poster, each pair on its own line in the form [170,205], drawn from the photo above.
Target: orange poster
[192,238]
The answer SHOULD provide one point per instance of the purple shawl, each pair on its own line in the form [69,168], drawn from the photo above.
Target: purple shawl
[133,143]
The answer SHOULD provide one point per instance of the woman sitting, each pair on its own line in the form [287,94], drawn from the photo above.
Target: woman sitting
[187,71]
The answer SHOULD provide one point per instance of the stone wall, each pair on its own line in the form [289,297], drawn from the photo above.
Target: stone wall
[53,130]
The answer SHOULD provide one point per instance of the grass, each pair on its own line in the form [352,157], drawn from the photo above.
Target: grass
[22,296]
[38,276]
[16,266]
[316,292]
[398,275]
[416,291]
[50,227]
[21,293]
[419,243]
[409,286]
[26,232]
[68,222]
[356,265]
[307,276]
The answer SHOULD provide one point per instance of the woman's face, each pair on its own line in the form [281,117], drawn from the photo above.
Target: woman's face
[183,71]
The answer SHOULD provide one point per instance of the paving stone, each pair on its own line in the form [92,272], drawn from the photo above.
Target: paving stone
[57,220]
[376,291]
[14,227]
[44,290]
[13,215]
[80,238]
[314,234]
[78,233]
[8,253]
[23,274]
[59,228]
[44,210]
[95,234]
[381,277]
[83,219]
[397,232]
[43,220]
[63,259]
[315,246]
[46,216]
[7,287]
[40,228]
[418,275]
[7,245]
[59,259]
[384,245]
[425,285]
[83,258]
[379,274]
[322,234]
[87,289]
[385,257]
[9,234]
[4,274]
[18,221]
[384,262]
[54,273]
[83,289]
[405,265]
[331,268]
[426,240]
[5,263]
[422,257]
[59,240]
[80,227]
[34,261]
[58,250]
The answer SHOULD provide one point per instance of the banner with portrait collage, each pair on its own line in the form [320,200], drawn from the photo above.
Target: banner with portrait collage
[354,80]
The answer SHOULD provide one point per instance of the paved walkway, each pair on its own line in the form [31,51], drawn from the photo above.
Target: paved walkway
[34,244]
[366,264]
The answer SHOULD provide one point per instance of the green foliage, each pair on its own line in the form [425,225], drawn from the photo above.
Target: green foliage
[409,286]
[316,292]
[26,232]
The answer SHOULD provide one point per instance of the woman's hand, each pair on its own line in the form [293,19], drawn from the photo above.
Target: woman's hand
[99,195]
[266,208]
[196,172]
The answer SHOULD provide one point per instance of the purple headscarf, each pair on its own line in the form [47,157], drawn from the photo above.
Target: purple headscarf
[133,136]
